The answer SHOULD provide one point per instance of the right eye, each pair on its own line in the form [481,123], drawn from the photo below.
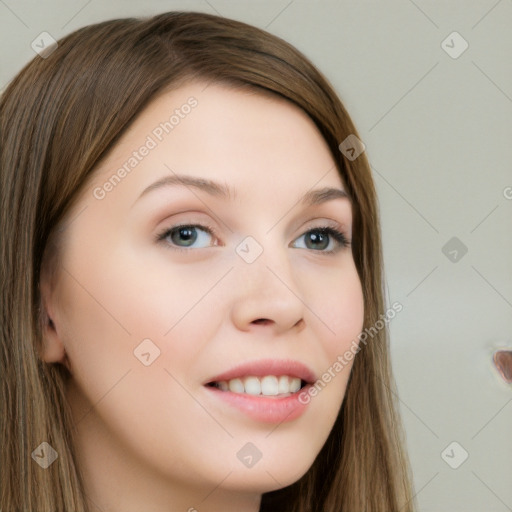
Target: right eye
[185,236]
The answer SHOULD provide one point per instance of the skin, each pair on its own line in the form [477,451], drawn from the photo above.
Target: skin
[151,437]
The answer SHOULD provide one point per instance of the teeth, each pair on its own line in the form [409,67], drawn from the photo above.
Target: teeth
[294,385]
[223,386]
[236,385]
[252,385]
[270,385]
[284,384]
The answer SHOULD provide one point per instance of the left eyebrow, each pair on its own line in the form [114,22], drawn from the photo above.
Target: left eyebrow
[310,198]
[322,195]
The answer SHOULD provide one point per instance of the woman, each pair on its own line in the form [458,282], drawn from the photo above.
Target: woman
[191,267]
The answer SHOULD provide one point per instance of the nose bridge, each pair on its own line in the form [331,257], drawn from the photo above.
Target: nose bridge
[268,288]
[261,258]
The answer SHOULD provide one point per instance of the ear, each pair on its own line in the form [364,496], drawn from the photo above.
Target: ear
[53,349]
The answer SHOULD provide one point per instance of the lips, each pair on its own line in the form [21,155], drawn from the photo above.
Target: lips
[265,367]
[251,389]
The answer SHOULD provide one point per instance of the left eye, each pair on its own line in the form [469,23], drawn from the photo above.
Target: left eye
[323,239]
[329,239]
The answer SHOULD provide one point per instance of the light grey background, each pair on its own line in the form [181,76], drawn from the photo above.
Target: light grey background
[438,134]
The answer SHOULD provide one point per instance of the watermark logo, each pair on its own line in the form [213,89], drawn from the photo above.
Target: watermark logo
[146,352]
[249,249]
[454,45]
[44,455]
[44,45]
[249,455]
[454,249]
[352,147]
[454,455]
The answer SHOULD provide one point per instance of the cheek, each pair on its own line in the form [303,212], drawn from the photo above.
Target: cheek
[157,293]
[335,298]
[104,325]
[125,317]
[92,330]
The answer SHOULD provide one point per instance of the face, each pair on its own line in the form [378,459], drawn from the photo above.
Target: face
[190,311]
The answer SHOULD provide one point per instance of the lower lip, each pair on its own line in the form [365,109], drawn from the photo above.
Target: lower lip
[264,409]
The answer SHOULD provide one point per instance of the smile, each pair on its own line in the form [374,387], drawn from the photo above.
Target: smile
[269,385]
[266,390]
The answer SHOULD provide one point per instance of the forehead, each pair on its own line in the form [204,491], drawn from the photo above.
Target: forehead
[240,137]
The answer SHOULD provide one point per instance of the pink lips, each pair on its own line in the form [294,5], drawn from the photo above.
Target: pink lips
[273,409]
[267,367]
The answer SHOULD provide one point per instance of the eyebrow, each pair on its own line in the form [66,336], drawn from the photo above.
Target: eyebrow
[310,198]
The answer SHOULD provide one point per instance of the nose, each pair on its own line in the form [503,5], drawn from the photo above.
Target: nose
[267,296]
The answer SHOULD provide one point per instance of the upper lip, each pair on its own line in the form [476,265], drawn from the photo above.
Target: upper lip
[264,367]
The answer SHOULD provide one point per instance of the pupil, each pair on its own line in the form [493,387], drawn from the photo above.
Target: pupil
[317,237]
[187,235]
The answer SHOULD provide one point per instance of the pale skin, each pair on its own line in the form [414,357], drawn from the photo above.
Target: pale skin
[151,437]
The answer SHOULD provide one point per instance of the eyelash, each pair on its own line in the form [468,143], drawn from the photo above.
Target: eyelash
[338,236]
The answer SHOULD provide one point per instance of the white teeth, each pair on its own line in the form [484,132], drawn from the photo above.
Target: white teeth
[294,385]
[236,385]
[270,385]
[252,385]
[284,384]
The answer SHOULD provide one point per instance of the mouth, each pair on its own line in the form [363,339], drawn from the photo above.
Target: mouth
[268,385]
[267,391]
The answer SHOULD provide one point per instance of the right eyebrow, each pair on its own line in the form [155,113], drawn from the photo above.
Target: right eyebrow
[210,187]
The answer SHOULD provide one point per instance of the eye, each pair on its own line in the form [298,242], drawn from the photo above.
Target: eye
[186,235]
[324,239]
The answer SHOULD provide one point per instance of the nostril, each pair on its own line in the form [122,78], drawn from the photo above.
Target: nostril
[261,321]
[503,362]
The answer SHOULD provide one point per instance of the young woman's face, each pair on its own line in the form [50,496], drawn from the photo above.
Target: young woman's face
[249,294]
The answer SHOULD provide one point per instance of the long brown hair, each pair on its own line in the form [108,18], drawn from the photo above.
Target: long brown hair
[59,117]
